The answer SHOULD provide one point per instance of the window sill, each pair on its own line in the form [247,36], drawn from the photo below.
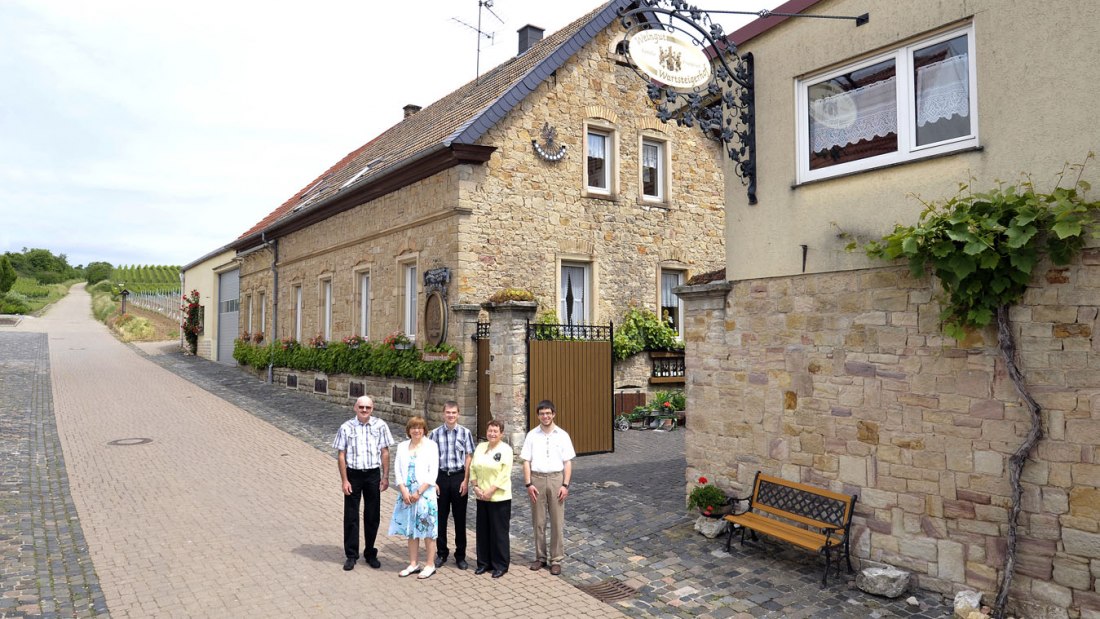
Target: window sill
[610,197]
[969,149]
[655,204]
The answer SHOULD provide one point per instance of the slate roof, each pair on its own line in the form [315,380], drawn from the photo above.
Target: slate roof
[459,118]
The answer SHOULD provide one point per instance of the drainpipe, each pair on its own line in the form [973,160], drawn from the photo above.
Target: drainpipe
[274,306]
[179,299]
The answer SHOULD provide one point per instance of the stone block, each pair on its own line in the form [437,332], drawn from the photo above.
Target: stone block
[951,560]
[853,470]
[886,581]
[1083,544]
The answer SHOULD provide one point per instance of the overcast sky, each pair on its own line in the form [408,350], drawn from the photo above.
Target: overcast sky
[153,132]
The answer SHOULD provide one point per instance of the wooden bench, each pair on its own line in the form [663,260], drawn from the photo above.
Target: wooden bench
[809,517]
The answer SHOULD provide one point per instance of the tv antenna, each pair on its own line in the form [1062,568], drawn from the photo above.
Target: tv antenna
[488,6]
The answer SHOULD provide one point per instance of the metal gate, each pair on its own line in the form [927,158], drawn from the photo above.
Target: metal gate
[484,411]
[229,292]
[570,365]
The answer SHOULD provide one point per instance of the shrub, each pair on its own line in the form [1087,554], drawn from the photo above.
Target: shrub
[706,497]
[192,320]
[361,359]
[14,303]
[7,274]
[642,330]
[511,294]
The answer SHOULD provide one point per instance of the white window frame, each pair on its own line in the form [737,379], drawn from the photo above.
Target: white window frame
[907,146]
[611,160]
[263,314]
[298,313]
[363,282]
[410,284]
[662,169]
[678,322]
[585,313]
[248,298]
[326,308]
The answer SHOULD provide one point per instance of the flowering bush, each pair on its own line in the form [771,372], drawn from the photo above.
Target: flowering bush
[258,337]
[192,320]
[288,343]
[354,341]
[318,341]
[397,341]
[706,498]
[357,357]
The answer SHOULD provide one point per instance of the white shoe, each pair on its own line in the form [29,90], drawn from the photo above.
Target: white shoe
[427,573]
[408,571]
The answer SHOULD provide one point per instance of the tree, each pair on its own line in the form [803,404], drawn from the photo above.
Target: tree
[7,274]
[96,272]
[983,247]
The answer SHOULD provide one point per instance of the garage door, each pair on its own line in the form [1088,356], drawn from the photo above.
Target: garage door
[229,305]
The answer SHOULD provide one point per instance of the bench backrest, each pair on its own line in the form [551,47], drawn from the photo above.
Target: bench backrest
[809,505]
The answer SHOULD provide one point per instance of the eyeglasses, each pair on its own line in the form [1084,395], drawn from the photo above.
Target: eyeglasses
[546,413]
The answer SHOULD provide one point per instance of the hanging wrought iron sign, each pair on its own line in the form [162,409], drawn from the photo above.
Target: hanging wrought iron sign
[669,58]
[721,101]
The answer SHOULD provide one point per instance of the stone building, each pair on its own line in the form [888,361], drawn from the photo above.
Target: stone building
[822,366]
[549,173]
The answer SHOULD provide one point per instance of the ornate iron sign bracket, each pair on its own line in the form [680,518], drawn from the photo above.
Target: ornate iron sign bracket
[723,107]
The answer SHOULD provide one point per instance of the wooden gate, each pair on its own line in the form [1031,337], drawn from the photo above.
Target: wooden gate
[484,410]
[570,365]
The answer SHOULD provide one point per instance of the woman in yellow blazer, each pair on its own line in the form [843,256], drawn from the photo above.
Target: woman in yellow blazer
[491,479]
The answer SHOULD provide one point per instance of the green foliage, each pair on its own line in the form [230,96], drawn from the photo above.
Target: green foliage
[642,330]
[674,397]
[147,278]
[7,274]
[97,271]
[14,303]
[42,265]
[983,246]
[103,305]
[192,320]
[706,497]
[358,359]
[30,288]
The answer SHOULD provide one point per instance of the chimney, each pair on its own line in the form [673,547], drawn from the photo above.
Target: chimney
[411,109]
[528,36]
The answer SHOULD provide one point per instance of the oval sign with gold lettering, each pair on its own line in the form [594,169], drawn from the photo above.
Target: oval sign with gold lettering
[670,59]
[435,319]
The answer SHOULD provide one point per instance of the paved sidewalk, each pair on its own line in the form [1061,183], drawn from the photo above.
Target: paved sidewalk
[194,507]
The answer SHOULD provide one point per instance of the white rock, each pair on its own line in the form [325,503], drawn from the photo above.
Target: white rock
[912,601]
[887,581]
[711,527]
[967,602]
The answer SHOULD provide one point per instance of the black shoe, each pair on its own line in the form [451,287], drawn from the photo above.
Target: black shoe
[461,564]
[481,569]
[373,562]
[499,573]
[349,565]
[439,561]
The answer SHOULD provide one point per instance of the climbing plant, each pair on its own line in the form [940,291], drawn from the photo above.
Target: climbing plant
[983,247]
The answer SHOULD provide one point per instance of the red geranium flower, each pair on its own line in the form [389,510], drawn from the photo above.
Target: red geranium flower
[702,480]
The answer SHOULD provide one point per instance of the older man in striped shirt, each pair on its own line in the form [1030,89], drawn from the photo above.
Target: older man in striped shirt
[363,444]
[456,447]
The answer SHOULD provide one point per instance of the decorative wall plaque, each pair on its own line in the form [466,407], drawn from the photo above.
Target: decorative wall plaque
[435,319]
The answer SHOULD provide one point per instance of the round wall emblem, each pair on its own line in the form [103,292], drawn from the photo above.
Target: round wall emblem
[435,319]
[670,59]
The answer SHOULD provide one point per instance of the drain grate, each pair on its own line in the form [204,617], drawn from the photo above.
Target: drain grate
[610,590]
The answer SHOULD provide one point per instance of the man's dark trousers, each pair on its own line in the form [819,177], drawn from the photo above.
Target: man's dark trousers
[450,500]
[366,484]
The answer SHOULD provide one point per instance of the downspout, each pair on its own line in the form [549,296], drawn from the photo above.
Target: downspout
[181,313]
[274,306]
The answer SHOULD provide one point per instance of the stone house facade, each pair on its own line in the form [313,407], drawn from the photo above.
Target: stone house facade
[821,366]
[549,172]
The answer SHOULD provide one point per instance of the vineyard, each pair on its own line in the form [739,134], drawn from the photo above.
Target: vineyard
[148,278]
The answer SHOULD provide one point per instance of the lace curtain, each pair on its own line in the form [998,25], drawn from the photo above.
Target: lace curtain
[942,91]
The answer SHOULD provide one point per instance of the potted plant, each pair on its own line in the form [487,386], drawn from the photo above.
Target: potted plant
[709,500]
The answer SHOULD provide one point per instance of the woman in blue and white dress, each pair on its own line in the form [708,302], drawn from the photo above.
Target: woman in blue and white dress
[416,514]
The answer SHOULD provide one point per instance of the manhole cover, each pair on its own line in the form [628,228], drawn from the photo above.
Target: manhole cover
[126,442]
[610,590]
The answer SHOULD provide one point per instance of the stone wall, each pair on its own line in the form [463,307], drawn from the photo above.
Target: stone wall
[844,380]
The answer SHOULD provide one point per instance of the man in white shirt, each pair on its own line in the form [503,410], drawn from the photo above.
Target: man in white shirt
[547,468]
[364,445]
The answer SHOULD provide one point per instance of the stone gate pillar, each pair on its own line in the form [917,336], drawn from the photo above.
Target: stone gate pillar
[508,366]
[465,329]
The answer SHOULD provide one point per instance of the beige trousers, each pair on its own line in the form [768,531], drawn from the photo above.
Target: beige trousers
[548,485]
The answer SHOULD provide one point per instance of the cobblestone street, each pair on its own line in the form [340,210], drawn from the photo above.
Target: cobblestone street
[232,507]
